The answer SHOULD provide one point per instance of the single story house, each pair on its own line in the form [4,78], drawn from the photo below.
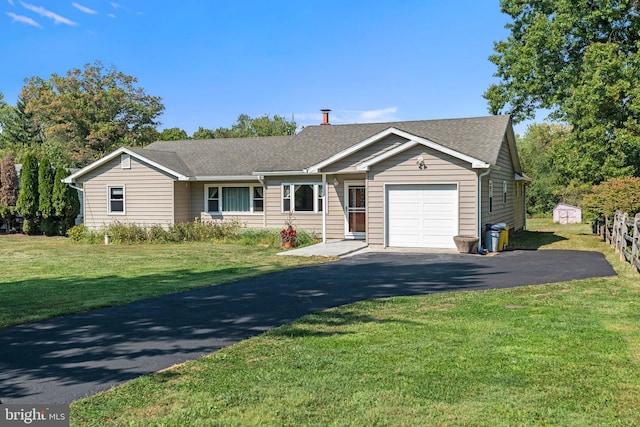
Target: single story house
[404,184]
[567,214]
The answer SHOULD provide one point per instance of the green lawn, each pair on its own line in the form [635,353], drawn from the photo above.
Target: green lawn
[50,276]
[560,354]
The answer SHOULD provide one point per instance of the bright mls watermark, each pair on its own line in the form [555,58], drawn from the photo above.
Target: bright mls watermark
[34,415]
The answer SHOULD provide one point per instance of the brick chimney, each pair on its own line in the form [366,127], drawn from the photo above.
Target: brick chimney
[325,116]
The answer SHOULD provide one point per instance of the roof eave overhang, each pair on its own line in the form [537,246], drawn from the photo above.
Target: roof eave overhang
[522,177]
[354,149]
[122,150]
[414,141]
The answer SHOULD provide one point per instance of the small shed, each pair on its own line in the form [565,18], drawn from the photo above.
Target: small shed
[567,214]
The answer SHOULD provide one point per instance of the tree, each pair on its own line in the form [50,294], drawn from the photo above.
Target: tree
[45,191]
[264,125]
[536,152]
[580,60]
[203,133]
[66,205]
[88,113]
[19,132]
[612,195]
[173,134]
[9,188]
[28,199]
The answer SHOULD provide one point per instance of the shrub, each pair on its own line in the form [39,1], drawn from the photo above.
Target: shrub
[263,236]
[157,234]
[78,233]
[612,195]
[126,233]
[231,231]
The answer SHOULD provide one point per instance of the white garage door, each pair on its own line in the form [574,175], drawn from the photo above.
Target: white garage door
[422,216]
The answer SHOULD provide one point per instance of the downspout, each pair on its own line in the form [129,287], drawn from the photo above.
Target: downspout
[482,175]
[76,188]
[324,208]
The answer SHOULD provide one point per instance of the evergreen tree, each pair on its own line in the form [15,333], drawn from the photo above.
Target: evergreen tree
[28,199]
[45,191]
[9,187]
[66,205]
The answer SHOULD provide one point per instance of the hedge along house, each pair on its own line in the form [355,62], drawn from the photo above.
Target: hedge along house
[405,184]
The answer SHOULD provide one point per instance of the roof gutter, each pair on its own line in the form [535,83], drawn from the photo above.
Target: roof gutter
[282,173]
[225,178]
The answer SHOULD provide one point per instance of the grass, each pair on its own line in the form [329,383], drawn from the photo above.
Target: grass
[44,277]
[558,354]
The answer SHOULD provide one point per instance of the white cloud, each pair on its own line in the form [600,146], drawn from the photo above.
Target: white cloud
[57,19]
[84,9]
[371,116]
[23,19]
[115,5]
[348,116]
[111,15]
[11,2]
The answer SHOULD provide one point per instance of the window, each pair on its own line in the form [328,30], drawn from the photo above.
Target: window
[258,199]
[490,196]
[116,200]
[125,161]
[234,199]
[504,192]
[306,197]
[213,199]
[303,198]
[320,197]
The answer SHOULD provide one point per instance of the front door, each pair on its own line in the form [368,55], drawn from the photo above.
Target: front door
[356,212]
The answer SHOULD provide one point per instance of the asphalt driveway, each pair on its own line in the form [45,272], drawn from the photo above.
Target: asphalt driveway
[66,358]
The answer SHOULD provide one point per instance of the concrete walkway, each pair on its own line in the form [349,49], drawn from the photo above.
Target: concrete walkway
[333,248]
[62,359]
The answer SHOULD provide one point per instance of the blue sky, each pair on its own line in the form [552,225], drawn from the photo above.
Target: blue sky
[210,61]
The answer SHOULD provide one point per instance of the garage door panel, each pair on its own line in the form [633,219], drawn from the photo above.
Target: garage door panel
[422,215]
[405,209]
[436,225]
[404,224]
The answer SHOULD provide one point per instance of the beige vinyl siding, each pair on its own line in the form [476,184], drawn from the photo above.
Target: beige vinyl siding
[198,208]
[182,210]
[519,206]
[350,163]
[402,168]
[148,195]
[502,212]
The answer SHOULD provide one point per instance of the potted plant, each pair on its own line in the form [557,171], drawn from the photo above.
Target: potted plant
[288,234]
[289,237]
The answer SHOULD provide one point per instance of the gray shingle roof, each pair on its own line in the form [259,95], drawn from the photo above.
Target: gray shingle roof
[479,138]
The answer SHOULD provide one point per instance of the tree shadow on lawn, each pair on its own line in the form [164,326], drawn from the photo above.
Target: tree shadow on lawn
[533,239]
[63,359]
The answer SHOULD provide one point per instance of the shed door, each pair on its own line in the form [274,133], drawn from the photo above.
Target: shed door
[568,216]
[422,216]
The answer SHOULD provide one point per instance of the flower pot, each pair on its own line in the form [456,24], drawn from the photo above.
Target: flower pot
[288,245]
[466,244]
